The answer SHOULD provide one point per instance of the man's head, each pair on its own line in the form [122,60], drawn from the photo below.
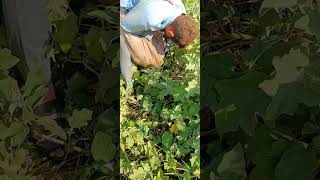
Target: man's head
[183,30]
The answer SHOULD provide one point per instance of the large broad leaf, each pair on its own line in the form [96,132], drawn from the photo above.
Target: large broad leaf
[80,118]
[108,85]
[290,95]
[52,126]
[288,69]
[218,66]
[246,99]
[260,145]
[297,163]
[7,60]
[267,161]
[102,148]
[303,91]
[276,4]
[232,166]
[215,66]
[108,121]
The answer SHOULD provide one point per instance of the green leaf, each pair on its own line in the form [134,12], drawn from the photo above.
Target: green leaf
[109,14]
[218,65]
[93,45]
[102,148]
[106,85]
[167,139]
[7,60]
[260,145]
[20,157]
[257,51]
[288,69]
[108,121]
[138,173]
[80,118]
[57,9]
[223,122]
[302,23]
[52,126]
[276,4]
[232,165]
[290,95]
[66,31]
[248,101]
[296,163]
[14,129]
[10,92]
[21,136]
[35,86]
[161,176]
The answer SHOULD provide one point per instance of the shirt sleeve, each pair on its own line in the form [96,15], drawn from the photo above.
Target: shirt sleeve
[148,16]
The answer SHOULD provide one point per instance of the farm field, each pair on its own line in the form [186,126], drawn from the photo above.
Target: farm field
[159,122]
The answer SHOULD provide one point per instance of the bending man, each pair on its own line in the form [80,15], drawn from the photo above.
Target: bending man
[148,30]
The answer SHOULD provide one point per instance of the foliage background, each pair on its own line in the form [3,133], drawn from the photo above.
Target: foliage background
[260,90]
[85,65]
[160,128]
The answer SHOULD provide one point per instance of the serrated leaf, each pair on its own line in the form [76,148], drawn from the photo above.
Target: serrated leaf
[52,126]
[288,69]
[296,163]
[7,60]
[102,148]
[80,118]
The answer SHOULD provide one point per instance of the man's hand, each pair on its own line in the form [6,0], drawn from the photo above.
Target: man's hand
[158,35]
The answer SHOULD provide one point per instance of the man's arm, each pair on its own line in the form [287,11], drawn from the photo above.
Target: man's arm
[148,16]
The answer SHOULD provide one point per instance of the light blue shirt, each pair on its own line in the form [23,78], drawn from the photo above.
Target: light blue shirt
[147,16]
